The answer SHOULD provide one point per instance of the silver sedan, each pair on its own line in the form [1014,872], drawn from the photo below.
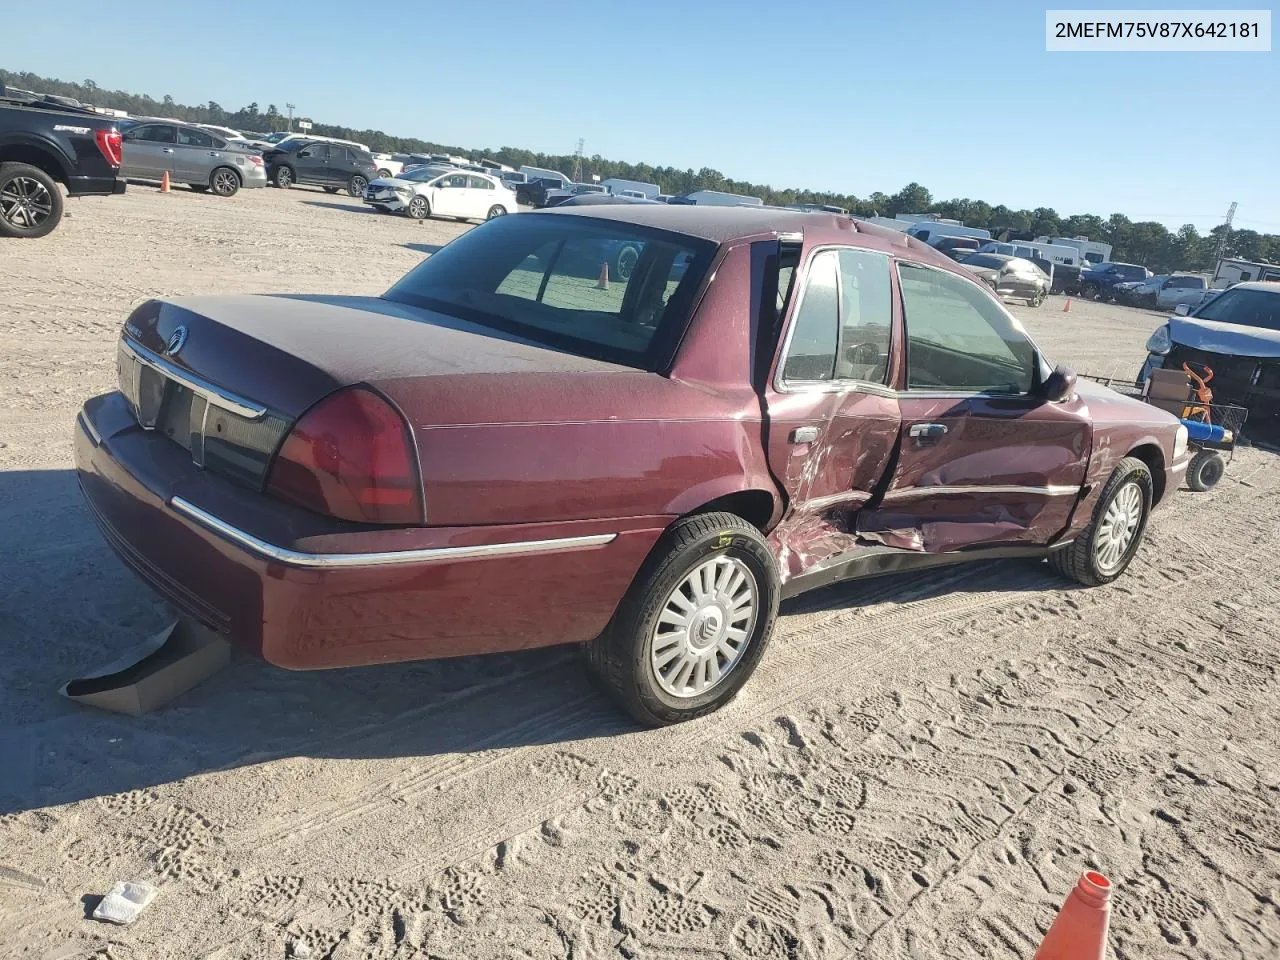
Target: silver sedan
[192,156]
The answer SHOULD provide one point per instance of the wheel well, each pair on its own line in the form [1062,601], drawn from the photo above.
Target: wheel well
[41,159]
[1153,457]
[754,506]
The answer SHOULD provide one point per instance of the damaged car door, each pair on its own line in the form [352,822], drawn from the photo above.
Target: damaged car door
[832,418]
[982,458]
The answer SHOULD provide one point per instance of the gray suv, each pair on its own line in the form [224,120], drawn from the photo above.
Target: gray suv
[192,156]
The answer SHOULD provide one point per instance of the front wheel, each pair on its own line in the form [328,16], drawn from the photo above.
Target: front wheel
[1205,470]
[694,623]
[1089,292]
[30,201]
[1104,549]
[356,185]
[1036,300]
[419,208]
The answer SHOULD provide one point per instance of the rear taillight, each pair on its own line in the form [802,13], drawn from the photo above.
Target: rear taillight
[108,142]
[255,160]
[351,457]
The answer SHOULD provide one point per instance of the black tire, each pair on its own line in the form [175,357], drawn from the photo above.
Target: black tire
[199,187]
[620,658]
[329,189]
[284,177]
[626,262]
[224,181]
[30,202]
[1089,291]
[497,210]
[356,185]
[419,208]
[1205,470]
[1037,299]
[384,174]
[1080,561]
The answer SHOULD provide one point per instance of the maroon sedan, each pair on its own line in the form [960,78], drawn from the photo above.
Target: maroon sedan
[515,447]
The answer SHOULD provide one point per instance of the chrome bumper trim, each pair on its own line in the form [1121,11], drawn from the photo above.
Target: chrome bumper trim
[295,558]
[213,394]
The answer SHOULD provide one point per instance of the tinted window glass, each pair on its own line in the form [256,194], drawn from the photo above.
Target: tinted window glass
[455,182]
[958,338]
[865,315]
[314,151]
[983,260]
[811,354]
[194,138]
[537,277]
[339,155]
[157,133]
[479,183]
[1250,308]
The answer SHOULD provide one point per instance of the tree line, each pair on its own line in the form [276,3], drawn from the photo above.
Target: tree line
[1145,242]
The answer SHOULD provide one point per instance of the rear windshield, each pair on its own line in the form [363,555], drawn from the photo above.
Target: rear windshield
[1249,308]
[543,277]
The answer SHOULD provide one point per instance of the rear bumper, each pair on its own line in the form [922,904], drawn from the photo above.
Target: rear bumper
[305,592]
[95,186]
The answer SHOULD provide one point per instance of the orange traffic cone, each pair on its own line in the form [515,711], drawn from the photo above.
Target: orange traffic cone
[603,282]
[1080,930]
[164,182]
[1066,307]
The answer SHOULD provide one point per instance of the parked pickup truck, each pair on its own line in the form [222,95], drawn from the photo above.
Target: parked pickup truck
[44,143]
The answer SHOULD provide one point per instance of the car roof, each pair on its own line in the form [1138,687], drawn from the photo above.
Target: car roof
[1266,286]
[724,224]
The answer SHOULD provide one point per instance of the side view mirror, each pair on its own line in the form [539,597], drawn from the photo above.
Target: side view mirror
[1182,309]
[1059,385]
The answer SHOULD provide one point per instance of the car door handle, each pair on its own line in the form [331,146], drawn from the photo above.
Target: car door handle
[804,435]
[927,431]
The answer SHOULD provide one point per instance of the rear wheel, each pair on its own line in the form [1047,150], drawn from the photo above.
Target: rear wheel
[1103,550]
[30,201]
[284,178]
[497,210]
[384,174]
[224,181]
[1205,470]
[419,208]
[1036,300]
[1089,291]
[694,623]
[356,185]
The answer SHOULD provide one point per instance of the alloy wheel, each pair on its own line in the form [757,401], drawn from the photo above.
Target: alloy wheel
[25,202]
[224,183]
[1119,528]
[704,628]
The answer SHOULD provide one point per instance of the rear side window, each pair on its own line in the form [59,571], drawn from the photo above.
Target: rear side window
[479,183]
[865,315]
[959,339]
[811,354]
[156,133]
[194,138]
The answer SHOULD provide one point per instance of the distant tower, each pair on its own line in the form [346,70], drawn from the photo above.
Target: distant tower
[290,108]
[577,163]
[1226,232]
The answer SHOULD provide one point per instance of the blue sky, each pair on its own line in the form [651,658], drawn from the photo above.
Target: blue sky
[831,94]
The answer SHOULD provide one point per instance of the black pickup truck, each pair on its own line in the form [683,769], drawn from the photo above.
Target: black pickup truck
[44,142]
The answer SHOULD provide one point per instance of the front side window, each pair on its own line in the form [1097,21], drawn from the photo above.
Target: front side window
[959,339]
[314,151]
[156,133]
[597,288]
[194,138]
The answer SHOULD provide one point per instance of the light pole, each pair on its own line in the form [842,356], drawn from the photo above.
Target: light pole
[290,106]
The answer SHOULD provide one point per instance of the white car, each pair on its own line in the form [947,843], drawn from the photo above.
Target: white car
[426,192]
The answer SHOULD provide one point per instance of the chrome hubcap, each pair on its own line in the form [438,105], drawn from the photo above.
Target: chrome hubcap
[25,202]
[704,627]
[1119,527]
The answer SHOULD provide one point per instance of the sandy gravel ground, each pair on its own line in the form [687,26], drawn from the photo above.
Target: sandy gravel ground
[921,767]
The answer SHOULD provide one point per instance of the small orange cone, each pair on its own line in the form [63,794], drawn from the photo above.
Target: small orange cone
[1080,930]
[603,282]
[1066,307]
[164,182]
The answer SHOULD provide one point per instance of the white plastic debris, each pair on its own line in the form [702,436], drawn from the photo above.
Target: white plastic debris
[299,949]
[124,902]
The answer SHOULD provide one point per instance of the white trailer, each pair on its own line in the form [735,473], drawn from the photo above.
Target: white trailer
[718,198]
[1231,271]
[1057,254]
[1091,251]
[619,186]
[539,173]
